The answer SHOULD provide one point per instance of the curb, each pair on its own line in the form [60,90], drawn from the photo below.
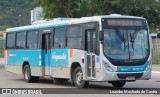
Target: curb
[156,72]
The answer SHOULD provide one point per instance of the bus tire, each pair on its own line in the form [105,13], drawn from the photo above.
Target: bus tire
[27,75]
[78,78]
[118,84]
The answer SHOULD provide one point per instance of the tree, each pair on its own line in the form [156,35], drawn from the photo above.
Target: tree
[81,8]
[57,8]
[11,9]
[4,27]
[143,8]
[74,8]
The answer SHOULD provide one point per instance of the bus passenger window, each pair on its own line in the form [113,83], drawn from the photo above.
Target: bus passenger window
[32,40]
[21,40]
[10,41]
[59,38]
[74,37]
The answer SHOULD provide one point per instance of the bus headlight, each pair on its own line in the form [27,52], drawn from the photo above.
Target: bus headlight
[107,67]
[148,67]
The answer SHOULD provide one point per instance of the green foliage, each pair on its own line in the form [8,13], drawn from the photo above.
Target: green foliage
[156,57]
[81,8]
[15,12]
[57,8]
[4,27]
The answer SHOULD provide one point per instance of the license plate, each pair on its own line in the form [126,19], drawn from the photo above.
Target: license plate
[130,78]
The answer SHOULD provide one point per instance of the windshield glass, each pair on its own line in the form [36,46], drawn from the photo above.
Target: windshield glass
[126,44]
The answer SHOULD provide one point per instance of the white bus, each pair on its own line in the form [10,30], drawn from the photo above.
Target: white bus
[110,48]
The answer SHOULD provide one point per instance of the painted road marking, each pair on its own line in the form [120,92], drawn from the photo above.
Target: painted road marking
[155,71]
[2,61]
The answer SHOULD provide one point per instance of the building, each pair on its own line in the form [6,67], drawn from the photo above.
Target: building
[36,14]
[1,34]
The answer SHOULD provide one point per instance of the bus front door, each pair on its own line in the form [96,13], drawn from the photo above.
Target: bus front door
[46,47]
[90,46]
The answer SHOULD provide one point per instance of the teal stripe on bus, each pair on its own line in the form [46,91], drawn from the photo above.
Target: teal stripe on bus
[35,27]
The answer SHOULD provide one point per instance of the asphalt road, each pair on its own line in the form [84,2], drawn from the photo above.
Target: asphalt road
[11,80]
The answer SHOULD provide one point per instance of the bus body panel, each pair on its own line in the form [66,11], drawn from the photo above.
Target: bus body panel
[59,60]
[10,57]
[33,57]
[14,69]
[59,63]
[10,60]
[20,56]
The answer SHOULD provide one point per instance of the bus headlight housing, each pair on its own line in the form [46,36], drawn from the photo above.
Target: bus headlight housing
[148,66]
[107,67]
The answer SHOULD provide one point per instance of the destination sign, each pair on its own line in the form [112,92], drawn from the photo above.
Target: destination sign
[116,22]
[106,22]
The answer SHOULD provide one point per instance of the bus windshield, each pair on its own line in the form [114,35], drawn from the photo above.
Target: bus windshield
[126,43]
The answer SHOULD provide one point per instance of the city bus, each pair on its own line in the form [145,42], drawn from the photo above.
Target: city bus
[109,48]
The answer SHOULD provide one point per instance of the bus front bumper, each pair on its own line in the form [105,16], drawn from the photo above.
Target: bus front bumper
[128,76]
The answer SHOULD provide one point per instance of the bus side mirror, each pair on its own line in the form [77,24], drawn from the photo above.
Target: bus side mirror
[101,36]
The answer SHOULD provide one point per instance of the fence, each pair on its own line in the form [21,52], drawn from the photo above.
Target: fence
[156,50]
[1,47]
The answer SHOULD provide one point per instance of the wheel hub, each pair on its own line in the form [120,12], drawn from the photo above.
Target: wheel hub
[79,77]
[26,74]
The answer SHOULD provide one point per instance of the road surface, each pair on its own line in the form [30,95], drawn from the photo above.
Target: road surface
[11,80]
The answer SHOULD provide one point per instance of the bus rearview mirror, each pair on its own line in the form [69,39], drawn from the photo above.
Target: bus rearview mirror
[101,35]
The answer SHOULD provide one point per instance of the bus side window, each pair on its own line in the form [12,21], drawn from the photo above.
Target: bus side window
[10,42]
[59,38]
[32,40]
[21,40]
[74,37]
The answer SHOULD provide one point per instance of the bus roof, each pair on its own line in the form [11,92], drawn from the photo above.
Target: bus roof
[68,22]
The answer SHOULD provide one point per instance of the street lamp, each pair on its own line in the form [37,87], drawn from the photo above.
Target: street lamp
[20,19]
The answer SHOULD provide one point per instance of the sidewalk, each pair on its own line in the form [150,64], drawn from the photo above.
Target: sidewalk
[2,60]
[156,67]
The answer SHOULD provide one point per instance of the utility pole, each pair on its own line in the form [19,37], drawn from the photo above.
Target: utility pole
[20,19]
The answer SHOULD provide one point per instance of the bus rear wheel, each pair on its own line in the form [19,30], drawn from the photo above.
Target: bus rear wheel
[27,75]
[78,78]
[118,84]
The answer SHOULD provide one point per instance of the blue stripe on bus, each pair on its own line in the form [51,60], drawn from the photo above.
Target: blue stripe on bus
[133,68]
[17,57]
[36,27]
[56,57]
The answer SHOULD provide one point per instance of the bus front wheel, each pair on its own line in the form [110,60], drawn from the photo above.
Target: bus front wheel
[27,75]
[118,84]
[78,78]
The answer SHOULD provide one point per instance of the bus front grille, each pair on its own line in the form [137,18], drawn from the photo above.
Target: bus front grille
[124,76]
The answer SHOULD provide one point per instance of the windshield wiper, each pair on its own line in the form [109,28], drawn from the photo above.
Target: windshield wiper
[133,36]
[119,34]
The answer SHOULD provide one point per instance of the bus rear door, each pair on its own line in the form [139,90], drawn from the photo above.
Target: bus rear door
[46,52]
